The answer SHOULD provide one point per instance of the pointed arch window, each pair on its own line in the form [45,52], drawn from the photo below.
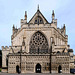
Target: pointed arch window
[38,43]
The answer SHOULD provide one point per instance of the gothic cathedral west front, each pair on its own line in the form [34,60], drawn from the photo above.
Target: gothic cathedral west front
[38,46]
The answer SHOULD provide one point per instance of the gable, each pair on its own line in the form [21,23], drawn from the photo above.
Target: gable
[38,18]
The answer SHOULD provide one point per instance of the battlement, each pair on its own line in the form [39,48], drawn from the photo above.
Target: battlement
[15,49]
[10,47]
[6,48]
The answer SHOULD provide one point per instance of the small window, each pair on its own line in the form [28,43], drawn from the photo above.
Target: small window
[40,21]
[35,21]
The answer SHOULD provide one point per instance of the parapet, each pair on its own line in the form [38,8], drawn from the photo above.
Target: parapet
[6,48]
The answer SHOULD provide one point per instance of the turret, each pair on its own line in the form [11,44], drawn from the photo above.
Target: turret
[54,21]
[24,21]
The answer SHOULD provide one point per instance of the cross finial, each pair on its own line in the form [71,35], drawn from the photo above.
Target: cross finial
[38,6]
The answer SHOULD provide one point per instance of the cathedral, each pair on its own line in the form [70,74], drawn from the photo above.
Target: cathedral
[38,46]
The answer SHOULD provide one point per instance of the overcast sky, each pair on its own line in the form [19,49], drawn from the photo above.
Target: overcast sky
[11,11]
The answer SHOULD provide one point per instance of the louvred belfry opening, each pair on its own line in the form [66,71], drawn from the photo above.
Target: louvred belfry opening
[38,43]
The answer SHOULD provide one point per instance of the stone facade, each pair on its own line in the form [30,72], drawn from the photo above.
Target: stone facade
[37,46]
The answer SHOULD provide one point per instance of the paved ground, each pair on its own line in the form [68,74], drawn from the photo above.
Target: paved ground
[34,74]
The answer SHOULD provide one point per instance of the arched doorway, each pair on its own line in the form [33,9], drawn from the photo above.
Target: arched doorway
[17,69]
[59,69]
[38,68]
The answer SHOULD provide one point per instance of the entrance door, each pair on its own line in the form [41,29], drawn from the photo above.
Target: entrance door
[17,69]
[59,69]
[38,68]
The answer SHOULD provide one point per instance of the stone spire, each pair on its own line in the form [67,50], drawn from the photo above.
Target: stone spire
[13,26]
[13,29]
[53,15]
[25,15]
[64,28]
[25,20]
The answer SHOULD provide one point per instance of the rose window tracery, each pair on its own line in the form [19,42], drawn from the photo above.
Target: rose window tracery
[38,43]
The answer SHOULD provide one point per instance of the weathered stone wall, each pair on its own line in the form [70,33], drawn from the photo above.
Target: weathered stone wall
[29,62]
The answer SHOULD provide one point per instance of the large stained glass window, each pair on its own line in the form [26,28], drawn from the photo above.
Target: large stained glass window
[38,43]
